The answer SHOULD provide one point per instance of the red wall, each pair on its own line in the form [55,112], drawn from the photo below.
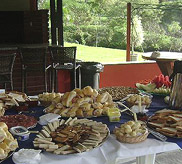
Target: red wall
[127,74]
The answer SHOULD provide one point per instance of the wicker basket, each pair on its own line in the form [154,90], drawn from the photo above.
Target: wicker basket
[131,140]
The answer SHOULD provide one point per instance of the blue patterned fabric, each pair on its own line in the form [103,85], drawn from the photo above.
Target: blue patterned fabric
[157,104]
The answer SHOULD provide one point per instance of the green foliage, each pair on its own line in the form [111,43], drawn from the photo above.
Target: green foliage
[44,4]
[103,23]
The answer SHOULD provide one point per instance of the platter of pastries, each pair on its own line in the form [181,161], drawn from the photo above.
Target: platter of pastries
[11,99]
[131,132]
[167,122]
[86,102]
[7,142]
[119,92]
[71,136]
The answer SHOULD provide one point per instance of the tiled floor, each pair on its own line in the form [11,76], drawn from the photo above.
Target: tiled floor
[173,157]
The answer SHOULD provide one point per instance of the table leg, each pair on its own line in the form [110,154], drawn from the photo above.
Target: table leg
[147,159]
[165,67]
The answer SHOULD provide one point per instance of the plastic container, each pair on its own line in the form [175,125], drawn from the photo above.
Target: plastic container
[27,156]
[90,74]
[20,133]
[114,114]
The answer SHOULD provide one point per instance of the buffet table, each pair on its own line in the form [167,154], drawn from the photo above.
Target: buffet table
[111,151]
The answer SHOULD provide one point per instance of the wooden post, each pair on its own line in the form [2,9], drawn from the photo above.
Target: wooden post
[53,22]
[33,5]
[128,31]
[60,22]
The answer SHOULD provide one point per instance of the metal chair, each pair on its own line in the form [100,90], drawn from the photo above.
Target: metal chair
[6,69]
[33,60]
[64,58]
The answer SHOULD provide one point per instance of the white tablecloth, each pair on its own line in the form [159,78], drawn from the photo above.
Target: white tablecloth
[110,151]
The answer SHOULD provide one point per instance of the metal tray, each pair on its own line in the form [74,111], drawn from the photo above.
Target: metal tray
[100,144]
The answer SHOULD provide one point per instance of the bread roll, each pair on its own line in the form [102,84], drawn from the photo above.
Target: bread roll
[90,112]
[59,105]
[64,112]
[3,154]
[72,112]
[64,98]
[9,135]
[95,93]
[109,100]
[2,135]
[50,108]
[79,112]
[80,101]
[56,100]
[3,126]
[12,144]
[5,147]
[85,106]
[105,110]
[102,98]
[88,100]
[2,111]
[88,91]
[98,112]
[97,105]
[79,92]
[111,105]
[70,97]
[56,111]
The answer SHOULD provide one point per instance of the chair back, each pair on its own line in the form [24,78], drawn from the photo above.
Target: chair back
[33,58]
[62,55]
[6,63]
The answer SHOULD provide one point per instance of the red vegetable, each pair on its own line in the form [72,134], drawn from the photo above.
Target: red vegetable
[161,80]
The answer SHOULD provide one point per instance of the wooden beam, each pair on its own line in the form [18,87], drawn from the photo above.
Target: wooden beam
[60,22]
[33,5]
[53,21]
[128,31]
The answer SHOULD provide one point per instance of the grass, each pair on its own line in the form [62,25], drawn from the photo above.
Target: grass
[100,54]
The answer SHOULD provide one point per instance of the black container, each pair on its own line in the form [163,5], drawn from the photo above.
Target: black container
[90,74]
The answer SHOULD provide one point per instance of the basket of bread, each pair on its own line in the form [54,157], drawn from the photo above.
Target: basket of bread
[7,142]
[135,99]
[168,122]
[131,132]
[71,136]
[46,98]
[86,102]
